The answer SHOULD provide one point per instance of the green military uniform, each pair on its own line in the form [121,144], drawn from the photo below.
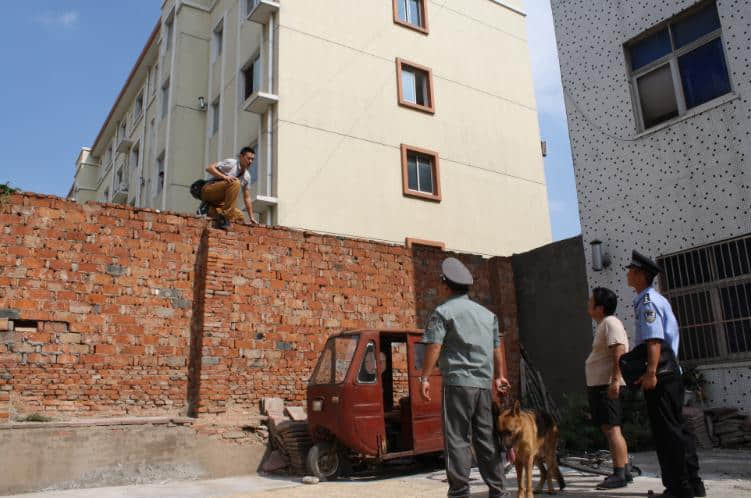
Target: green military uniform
[468,333]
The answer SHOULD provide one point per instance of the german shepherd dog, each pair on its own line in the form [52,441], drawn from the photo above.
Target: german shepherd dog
[534,438]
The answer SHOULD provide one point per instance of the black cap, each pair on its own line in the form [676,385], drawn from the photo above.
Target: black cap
[455,271]
[640,261]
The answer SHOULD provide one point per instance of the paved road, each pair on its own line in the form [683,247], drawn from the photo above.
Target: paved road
[727,474]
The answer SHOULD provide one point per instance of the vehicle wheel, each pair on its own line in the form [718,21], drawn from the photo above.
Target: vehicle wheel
[324,461]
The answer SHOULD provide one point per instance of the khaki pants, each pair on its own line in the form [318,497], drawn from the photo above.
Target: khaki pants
[221,197]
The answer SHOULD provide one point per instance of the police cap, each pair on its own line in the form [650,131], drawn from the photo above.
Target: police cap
[455,271]
[640,261]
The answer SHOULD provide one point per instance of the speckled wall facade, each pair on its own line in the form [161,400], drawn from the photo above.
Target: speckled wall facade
[728,386]
[675,186]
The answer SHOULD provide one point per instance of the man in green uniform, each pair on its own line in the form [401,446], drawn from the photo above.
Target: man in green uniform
[464,339]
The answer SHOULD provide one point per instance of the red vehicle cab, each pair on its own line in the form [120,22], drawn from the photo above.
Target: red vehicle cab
[364,401]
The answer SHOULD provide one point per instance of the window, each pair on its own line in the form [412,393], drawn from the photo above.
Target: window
[420,173]
[250,5]
[369,368]
[107,194]
[412,14]
[121,178]
[135,152]
[415,86]
[251,77]
[160,173]
[335,360]
[215,117]
[253,168]
[165,99]
[218,41]
[108,154]
[138,108]
[709,289]
[410,243]
[169,28]
[678,66]
[155,72]
[123,129]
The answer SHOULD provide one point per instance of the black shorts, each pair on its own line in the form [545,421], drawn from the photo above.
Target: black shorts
[605,411]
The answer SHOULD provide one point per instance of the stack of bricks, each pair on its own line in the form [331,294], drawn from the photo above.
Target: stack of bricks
[140,312]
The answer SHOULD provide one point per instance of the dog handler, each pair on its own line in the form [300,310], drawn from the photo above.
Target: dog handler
[463,337]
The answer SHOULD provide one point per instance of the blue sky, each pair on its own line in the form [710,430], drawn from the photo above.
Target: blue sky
[66,61]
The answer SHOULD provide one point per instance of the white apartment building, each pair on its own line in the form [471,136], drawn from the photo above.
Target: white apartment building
[658,95]
[398,120]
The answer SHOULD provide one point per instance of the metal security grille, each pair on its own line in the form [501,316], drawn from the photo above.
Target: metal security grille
[710,290]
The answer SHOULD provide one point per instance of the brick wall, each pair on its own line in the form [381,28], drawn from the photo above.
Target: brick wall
[141,312]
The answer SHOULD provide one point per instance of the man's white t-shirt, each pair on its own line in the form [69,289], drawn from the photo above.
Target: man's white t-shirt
[230,167]
[599,364]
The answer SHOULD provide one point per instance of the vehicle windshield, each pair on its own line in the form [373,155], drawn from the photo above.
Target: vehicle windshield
[335,360]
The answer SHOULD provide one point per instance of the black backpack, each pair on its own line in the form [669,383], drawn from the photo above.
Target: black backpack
[196,187]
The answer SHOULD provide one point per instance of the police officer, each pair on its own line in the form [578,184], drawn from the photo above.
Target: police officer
[663,390]
[463,337]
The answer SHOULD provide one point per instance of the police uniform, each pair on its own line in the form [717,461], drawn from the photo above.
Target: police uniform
[468,333]
[675,445]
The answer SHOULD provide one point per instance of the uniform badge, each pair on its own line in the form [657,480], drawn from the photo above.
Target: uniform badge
[650,316]
[646,299]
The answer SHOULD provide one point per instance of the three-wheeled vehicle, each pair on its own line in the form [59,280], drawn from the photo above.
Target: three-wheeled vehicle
[364,403]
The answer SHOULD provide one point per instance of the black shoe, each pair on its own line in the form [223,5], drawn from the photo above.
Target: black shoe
[671,494]
[612,482]
[222,222]
[665,494]
[629,475]
[697,486]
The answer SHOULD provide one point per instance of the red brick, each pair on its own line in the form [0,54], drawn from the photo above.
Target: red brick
[104,349]
[67,359]
[258,281]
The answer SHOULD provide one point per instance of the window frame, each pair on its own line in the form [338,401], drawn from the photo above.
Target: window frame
[424,28]
[169,30]
[139,106]
[410,243]
[671,59]
[406,191]
[377,373]
[251,64]
[717,271]
[160,168]
[400,65]
[217,41]
[216,115]
[164,102]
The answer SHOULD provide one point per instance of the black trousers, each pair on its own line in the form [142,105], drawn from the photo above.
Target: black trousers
[676,445]
[468,412]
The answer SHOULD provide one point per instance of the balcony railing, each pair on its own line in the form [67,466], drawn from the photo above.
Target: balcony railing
[120,190]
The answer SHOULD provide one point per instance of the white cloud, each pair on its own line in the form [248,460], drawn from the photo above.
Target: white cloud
[64,20]
[544,55]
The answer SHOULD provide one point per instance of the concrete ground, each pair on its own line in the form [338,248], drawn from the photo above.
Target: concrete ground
[726,474]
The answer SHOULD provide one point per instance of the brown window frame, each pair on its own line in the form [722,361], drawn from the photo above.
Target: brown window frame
[406,191]
[400,64]
[424,29]
[410,243]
